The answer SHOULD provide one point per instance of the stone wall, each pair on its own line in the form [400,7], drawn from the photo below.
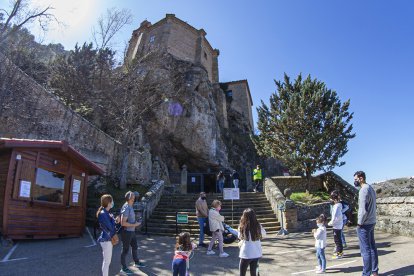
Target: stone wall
[396,215]
[306,212]
[241,101]
[297,183]
[348,192]
[31,112]
[178,38]
[302,217]
[182,42]
[276,198]
[152,197]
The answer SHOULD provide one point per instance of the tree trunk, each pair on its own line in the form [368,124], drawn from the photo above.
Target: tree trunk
[124,167]
[308,181]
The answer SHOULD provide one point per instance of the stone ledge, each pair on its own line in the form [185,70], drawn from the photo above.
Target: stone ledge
[409,200]
[396,225]
[390,200]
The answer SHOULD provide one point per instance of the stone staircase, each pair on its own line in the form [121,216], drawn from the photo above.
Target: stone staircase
[162,220]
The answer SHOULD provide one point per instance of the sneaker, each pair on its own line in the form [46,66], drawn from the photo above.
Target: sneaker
[139,264]
[126,271]
[224,255]
[202,245]
[210,252]
[320,271]
[336,256]
[317,268]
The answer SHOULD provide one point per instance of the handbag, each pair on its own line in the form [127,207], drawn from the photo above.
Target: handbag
[115,239]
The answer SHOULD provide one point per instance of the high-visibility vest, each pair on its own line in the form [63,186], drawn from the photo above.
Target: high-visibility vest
[257,174]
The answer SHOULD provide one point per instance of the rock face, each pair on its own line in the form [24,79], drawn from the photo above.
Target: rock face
[395,187]
[185,128]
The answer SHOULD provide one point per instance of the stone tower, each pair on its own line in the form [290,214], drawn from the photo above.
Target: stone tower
[178,38]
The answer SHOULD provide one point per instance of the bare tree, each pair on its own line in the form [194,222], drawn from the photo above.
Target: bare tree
[109,25]
[21,14]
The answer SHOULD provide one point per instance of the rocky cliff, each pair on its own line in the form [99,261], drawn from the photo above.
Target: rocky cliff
[186,127]
[395,187]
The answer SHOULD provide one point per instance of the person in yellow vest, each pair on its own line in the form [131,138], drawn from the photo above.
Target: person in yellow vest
[257,178]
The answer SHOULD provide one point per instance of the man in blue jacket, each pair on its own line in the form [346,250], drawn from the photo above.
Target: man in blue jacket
[367,209]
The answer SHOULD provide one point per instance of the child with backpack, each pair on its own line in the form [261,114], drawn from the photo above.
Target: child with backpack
[320,243]
[337,224]
[181,260]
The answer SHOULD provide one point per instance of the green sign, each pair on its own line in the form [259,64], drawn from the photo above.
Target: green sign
[182,218]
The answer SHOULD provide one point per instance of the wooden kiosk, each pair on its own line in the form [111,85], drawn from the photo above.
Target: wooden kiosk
[43,186]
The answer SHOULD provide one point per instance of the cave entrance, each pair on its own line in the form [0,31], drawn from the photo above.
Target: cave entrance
[197,182]
[210,183]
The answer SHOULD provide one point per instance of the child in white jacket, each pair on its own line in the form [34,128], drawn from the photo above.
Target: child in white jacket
[215,221]
[337,224]
[320,243]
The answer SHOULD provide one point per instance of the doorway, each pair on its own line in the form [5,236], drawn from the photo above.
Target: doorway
[210,185]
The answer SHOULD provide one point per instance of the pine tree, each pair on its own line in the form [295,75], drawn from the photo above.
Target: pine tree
[305,126]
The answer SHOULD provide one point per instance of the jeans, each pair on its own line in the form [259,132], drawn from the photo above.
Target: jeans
[236,183]
[258,185]
[220,185]
[107,256]
[179,267]
[129,239]
[320,256]
[368,249]
[244,263]
[338,240]
[201,222]
[342,234]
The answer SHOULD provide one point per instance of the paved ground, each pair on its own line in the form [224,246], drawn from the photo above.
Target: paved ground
[291,255]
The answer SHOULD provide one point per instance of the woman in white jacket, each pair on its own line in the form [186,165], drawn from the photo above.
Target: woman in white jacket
[250,234]
[215,221]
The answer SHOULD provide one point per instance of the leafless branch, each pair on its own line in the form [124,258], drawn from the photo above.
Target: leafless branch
[21,14]
[109,25]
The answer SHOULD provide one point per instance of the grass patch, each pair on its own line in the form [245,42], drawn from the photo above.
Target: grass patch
[309,198]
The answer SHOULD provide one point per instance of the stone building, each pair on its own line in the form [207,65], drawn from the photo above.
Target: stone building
[184,42]
[241,100]
[178,38]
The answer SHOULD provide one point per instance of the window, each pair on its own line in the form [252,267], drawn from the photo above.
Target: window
[152,39]
[205,55]
[49,186]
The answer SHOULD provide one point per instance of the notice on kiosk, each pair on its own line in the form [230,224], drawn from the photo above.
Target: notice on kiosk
[231,193]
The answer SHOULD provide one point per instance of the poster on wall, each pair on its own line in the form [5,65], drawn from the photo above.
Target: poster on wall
[25,188]
[193,179]
[75,197]
[76,186]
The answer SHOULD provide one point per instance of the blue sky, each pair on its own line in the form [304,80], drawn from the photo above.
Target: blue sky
[362,49]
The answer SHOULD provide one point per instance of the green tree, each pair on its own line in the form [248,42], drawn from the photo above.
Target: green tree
[80,79]
[306,126]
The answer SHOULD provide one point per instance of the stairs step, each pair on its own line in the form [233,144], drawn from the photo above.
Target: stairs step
[162,220]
